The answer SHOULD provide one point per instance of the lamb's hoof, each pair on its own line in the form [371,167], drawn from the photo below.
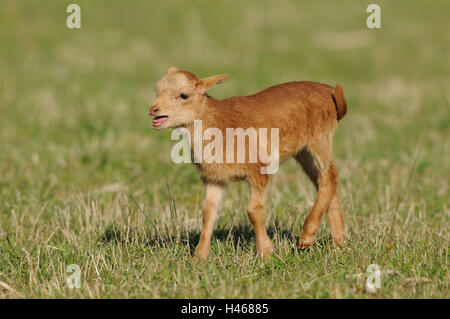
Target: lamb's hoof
[195,260]
[265,251]
[305,242]
[338,241]
[266,254]
[303,245]
[200,255]
[338,244]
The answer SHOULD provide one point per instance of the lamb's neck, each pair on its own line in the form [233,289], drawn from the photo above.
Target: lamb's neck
[208,113]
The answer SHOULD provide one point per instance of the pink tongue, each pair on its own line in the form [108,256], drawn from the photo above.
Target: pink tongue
[159,121]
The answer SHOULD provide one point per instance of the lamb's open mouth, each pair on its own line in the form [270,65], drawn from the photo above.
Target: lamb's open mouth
[159,120]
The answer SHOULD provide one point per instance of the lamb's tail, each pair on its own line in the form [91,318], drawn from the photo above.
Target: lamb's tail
[339,101]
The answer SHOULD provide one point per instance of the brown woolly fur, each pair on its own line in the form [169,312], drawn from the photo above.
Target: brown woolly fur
[306,114]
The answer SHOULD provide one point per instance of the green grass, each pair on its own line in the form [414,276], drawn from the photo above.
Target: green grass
[84,179]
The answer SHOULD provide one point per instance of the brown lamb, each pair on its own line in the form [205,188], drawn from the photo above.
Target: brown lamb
[306,114]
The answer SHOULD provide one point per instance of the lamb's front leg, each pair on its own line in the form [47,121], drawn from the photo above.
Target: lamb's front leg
[257,216]
[211,204]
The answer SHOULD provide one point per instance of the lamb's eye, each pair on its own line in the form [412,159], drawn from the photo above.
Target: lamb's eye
[184,96]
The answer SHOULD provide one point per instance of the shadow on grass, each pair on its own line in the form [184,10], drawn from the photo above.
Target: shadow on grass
[239,235]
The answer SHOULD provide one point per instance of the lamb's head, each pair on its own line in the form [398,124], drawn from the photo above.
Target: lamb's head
[180,97]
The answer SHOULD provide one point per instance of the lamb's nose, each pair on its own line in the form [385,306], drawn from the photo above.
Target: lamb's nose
[153,111]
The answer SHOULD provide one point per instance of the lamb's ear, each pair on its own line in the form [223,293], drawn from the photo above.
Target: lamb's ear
[206,83]
[172,69]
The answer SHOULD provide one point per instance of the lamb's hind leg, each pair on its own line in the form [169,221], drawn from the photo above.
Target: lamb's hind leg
[336,220]
[323,174]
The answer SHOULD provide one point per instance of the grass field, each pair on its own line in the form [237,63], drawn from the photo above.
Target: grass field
[85,180]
